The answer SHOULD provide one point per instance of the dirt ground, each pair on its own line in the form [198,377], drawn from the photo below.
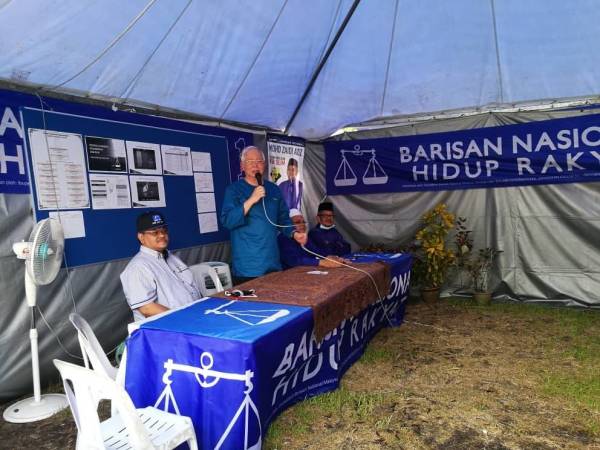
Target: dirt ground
[451,377]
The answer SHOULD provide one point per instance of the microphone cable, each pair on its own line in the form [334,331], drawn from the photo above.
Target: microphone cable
[380,299]
[270,221]
[259,180]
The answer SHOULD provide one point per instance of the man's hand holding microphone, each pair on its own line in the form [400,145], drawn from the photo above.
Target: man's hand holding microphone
[258,194]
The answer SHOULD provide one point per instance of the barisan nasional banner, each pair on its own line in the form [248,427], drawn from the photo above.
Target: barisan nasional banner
[13,170]
[286,157]
[545,152]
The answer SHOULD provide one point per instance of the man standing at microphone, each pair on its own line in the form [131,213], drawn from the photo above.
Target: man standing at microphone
[253,234]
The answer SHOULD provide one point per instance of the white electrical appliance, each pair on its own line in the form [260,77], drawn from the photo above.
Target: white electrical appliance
[43,255]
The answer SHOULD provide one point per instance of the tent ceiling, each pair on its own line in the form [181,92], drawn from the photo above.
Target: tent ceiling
[251,61]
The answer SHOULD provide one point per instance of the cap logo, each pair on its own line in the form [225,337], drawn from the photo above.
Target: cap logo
[156,219]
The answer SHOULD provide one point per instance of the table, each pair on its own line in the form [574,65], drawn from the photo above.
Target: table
[332,294]
[233,366]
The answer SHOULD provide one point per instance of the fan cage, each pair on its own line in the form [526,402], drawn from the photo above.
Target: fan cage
[46,251]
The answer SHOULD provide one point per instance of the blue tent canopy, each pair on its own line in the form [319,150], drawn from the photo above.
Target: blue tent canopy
[253,62]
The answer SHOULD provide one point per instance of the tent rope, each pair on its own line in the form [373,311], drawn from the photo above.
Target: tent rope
[389,59]
[319,68]
[114,42]
[251,66]
[129,88]
[496,48]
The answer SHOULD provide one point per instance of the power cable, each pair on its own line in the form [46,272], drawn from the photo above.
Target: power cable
[114,42]
[380,299]
[58,209]
[56,335]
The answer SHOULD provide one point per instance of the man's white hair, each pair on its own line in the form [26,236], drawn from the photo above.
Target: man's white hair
[247,149]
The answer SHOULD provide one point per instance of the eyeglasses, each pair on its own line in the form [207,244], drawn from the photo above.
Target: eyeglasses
[326,216]
[158,231]
[257,162]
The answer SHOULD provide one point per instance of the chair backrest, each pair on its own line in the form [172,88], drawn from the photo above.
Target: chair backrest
[206,278]
[90,347]
[85,388]
[223,272]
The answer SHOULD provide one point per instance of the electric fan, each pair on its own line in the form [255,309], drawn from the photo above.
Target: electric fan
[43,257]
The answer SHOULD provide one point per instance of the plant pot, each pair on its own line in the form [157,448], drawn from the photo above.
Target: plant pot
[430,295]
[482,298]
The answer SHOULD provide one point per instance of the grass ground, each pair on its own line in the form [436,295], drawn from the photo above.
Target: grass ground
[457,376]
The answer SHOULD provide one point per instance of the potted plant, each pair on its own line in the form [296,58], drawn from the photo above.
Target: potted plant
[463,241]
[432,255]
[478,268]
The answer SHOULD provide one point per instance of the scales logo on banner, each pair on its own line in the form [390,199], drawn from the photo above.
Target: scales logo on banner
[216,374]
[252,317]
[374,173]
[207,377]
[286,156]
[545,152]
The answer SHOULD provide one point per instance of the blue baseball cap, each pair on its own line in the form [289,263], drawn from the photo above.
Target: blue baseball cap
[150,220]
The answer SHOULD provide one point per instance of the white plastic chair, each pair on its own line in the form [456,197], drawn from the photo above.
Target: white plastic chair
[90,347]
[139,429]
[223,272]
[203,271]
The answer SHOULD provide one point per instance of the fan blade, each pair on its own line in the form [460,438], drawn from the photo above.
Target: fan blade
[45,256]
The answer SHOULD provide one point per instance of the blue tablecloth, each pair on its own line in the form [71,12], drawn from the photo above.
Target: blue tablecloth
[234,366]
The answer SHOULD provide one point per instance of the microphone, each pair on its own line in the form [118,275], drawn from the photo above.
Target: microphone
[259,179]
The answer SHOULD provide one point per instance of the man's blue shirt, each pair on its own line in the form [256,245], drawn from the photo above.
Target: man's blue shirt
[253,238]
[292,254]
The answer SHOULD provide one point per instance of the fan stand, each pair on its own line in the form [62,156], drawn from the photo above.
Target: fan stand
[31,410]
[39,406]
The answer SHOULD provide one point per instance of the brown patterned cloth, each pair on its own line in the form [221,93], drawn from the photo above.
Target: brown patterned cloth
[338,295]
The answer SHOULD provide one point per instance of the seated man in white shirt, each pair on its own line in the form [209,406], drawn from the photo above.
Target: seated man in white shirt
[156,280]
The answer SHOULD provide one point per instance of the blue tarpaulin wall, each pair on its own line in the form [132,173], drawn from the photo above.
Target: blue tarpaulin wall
[110,233]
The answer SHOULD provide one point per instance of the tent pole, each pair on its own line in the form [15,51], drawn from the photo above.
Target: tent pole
[317,71]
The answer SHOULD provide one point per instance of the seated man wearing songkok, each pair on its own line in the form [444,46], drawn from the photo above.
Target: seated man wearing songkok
[155,280]
[324,238]
[292,254]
